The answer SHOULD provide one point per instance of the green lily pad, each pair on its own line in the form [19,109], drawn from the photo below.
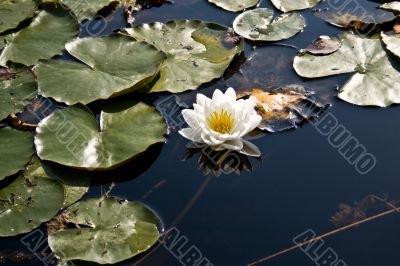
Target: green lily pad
[197,52]
[73,138]
[108,231]
[16,149]
[17,89]
[76,183]
[234,5]
[12,13]
[290,5]
[44,38]
[86,9]
[27,202]
[259,25]
[392,43]
[376,82]
[392,6]
[113,65]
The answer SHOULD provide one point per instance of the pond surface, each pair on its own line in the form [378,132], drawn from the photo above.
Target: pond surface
[237,219]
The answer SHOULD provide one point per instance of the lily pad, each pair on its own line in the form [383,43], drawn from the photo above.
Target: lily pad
[73,138]
[75,182]
[27,202]
[259,25]
[197,52]
[86,9]
[17,89]
[108,231]
[234,5]
[376,82]
[392,6]
[291,5]
[16,149]
[392,43]
[284,108]
[42,39]
[324,45]
[113,65]
[12,13]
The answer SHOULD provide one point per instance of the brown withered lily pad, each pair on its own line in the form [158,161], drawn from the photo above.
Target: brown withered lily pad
[284,108]
[355,18]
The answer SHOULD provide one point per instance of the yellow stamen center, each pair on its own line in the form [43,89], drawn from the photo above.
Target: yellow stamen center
[221,122]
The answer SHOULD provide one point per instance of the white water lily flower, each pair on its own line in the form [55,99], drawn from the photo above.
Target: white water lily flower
[222,121]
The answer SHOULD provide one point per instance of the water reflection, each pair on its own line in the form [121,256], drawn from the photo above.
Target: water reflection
[215,162]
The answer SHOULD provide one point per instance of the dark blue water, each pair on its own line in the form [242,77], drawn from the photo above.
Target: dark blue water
[237,219]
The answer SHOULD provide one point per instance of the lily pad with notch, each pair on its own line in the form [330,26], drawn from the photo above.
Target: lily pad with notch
[197,52]
[126,129]
[291,5]
[12,13]
[108,230]
[112,66]
[375,82]
[259,25]
[234,5]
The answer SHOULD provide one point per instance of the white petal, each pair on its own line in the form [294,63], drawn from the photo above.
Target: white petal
[250,149]
[218,96]
[235,144]
[191,134]
[190,117]
[253,122]
[202,100]
[231,94]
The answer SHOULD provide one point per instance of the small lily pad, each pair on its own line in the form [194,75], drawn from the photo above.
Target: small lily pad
[27,202]
[108,230]
[291,5]
[42,39]
[197,52]
[12,13]
[73,138]
[324,45]
[113,65]
[234,5]
[16,149]
[259,25]
[284,108]
[376,82]
[17,89]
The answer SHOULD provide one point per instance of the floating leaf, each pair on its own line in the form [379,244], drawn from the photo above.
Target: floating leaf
[13,12]
[197,52]
[16,149]
[259,25]
[392,43]
[353,17]
[324,45]
[72,136]
[376,81]
[290,5]
[86,9]
[75,183]
[108,231]
[27,202]
[112,66]
[17,89]
[234,5]
[284,108]
[42,39]
[392,6]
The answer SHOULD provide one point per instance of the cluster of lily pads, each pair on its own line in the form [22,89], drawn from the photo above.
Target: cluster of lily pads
[45,173]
